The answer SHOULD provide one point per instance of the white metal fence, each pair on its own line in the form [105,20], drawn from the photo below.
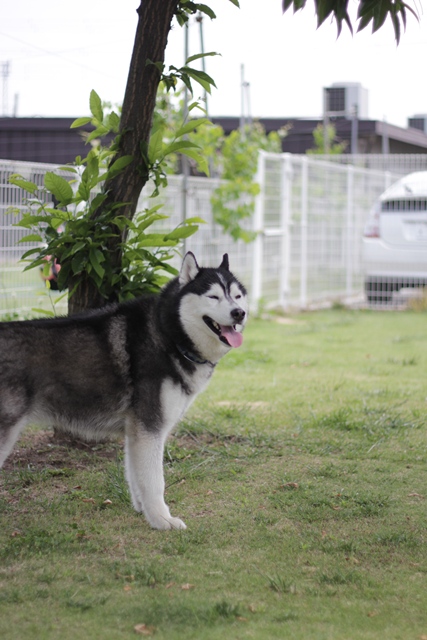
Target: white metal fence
[398,163]
[309,217]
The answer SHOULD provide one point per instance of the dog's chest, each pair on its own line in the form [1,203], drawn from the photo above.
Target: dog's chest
[176,399]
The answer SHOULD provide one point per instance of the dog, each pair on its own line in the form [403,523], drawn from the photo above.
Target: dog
[130,368]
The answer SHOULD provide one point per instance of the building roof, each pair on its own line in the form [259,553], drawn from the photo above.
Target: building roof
[299,138]
[52,140]
[41,140]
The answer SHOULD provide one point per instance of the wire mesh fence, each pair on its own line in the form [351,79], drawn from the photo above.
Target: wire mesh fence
[311,214]
[309,218]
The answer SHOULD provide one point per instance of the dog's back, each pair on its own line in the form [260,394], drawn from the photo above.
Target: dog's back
[74,372]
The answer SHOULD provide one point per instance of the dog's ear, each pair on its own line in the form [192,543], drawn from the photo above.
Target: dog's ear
[189,269]
[224,264]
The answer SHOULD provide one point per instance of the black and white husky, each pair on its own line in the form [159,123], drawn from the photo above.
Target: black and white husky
[131,368]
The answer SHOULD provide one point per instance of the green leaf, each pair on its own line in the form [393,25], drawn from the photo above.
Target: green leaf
[57,213]
[78,263]
[199,76]
[68,168]
[29,220]
[59,298]
[80,122]
[19,181]
[156,240]
[196,105]
[30,252]
[31,237]
[78,247]
[207,10]
[186,80]
[56,222]
[63,277]
[202,163]
[95,105]
[47,268]
[155,146]
[159,65]
[98,200]
[100,131]
[113,121]
[236,3]
[195,220]
[119,165]
[179,146]
[59,187]
[298,4]
[147,222]
[191,126]
[83,191]
[91,173]
[96,258]
[45,312]
[35,263]
[201,55]
[182,232]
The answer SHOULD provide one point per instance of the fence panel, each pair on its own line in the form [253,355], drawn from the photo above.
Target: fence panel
[309,217]
[396,163]
[318,240]
[20,292]
[23,292]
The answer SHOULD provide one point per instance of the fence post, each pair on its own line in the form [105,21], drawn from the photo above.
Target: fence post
[285,226]
[349,232]
[304,229]
[387,179]
[258,227]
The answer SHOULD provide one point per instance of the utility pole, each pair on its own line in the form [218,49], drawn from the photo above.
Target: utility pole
[199,19]
[5,70]
[354,129]
[245,104]
[385,142]
[325,121]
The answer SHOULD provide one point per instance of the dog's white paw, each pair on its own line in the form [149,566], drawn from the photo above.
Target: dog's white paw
[168,522]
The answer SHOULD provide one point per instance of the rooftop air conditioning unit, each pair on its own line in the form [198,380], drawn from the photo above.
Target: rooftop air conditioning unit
[346,100]
[418,122]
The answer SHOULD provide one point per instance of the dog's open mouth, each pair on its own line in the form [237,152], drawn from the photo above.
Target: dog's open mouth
[227,334]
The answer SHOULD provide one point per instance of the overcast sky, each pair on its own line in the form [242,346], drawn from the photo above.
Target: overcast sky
[58,52]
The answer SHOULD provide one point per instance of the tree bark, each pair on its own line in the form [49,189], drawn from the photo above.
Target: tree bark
[154,23]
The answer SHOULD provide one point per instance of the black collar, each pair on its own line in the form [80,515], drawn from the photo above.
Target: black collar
[192,357]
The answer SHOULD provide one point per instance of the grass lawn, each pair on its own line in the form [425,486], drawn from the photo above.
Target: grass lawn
[300,473]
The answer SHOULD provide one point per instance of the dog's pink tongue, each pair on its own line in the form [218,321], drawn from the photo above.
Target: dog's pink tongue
[233,337]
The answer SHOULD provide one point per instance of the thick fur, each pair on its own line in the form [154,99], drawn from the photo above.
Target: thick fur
[131,369]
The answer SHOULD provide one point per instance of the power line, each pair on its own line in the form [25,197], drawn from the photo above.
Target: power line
[56,55]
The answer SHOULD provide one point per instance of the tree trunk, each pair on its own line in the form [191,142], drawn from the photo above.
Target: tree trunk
[154,24]
[85,297]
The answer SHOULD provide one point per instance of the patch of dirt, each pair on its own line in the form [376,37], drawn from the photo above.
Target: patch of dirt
[44,450]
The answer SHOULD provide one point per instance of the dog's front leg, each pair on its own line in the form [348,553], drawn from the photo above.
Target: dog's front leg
[144,473]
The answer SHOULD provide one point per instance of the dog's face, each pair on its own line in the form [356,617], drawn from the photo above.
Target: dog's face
[214,307]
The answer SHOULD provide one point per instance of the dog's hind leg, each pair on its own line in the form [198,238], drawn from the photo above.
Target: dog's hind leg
[8,436]
[144,473]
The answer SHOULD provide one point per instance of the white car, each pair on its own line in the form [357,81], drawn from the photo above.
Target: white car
[395,239]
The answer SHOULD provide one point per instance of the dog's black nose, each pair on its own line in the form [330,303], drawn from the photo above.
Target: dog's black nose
[238,315]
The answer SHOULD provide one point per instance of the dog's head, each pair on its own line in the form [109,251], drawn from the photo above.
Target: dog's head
[214,307]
